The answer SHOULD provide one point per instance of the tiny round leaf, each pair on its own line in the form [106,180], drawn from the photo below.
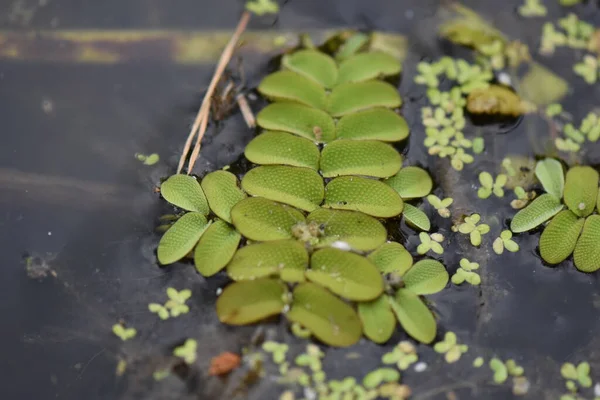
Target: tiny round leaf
[314,65]
[411,183]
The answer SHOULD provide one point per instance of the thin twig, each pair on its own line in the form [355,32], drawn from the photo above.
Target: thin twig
[201,120]
[246,111]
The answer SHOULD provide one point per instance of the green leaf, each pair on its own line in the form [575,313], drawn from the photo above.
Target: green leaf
[360,231]
[181,238]
[298,187]
[246,302]
[426,277]
[414,316]
[328,318]
[365,195]
[285,257]
[222,192]
[587,250]
[273,147]
[352,97]
[391,257]
[352,45]
[317,66]
[346,274]
[368,65]
[365,157]
[581,190]
[411,183]
[374,124]
[291,86]
[377,318]
[216,248]
[416,217]
[183,191]
[260,219]
[300,120]
[560,236]
[539,211]
[550,173]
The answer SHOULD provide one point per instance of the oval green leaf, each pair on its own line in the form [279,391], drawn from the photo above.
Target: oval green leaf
[300,120]
[328,318]
[285,257]
[298,187]
[414,316]
[246,302]
[426,277]
[365,157]
[313,64]
[415,217]
[560,236]
[273,147]
[181,237]
[377,318]
[375,124]
[587,250]
[346,274]
[391,257]
[362,194]
[184,191]
[222,192]
[411,183]
[539,211]
[291,86]
[581,190]
[550,173]
[352,97]
[260,219]
[368,65]
[216,248]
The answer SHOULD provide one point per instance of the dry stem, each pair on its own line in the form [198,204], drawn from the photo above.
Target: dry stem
[246,111]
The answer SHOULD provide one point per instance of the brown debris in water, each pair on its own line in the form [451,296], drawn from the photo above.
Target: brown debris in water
[497,100]
[224,363]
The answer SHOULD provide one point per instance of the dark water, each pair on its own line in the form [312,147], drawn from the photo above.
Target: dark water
[74,195]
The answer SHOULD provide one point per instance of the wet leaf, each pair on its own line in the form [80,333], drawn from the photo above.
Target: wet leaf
[285,257]
[352,97]
[368,65]
[539,211]
[360,231]
[346,274]
[315,65]
[329,319]
[291,86]
[560,236]
[300,120]
[426,277]
[414,316]
[391,257]
[587,250]
[411,183]
[551,175]
[496,100]
[298,187]
[581,190]
[273,147]
[366,157]
[415,217]
[215,248]
[260,219]
[365,195]
[246,302]
[181,238]
[222,192]
[184,191]
[374,124]
[378,320]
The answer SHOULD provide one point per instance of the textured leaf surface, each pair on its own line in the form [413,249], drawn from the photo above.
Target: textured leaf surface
[365,157]
[560,236]
[581,190]
[300,120]
[416,217]
[391,257]
[291,86]
[426,277]
[260,219]
[374,124]
[181,238]
[314,65]
[216,248]
[411,182]
[377,318]
[539,211]
[222,192]
[328,318]
[185,192]
[273,147]
[551,175]
[352,97]
[247,302]
[346,274]
[414,316]
[368,65]
[298,187]
[365,195]
[360,231]
[587,250]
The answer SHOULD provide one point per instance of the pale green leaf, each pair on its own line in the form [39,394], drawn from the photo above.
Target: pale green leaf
[587,250]
[416,217]
[539,211]
[368,65]
[352,45]
[274,147]
[378,320]
[426,277]
[365,157]
[391,257]
[291,86]
[298,119]
[375,124]
[560,236]
[365,195]
[486,180]
[581,190]
[216,248]
[550,173]
[185,192]
[411,183]
[414,316]
[314,65]
[261,219]
[222,192]
[352,97]
[181,237]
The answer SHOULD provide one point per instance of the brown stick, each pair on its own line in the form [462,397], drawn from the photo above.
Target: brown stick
[201,121]
[246,111]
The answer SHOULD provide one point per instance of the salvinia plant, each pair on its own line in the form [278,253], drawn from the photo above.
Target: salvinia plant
[303,229]
[571,204]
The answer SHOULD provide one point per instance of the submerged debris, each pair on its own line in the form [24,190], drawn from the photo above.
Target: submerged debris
[497,100]
[224,363]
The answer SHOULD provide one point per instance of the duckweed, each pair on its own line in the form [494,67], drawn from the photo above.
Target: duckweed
[470,226]
[450,348]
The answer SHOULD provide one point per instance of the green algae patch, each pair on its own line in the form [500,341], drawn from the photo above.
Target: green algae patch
[261,219]
[367,157]
[375,124]
[272,148]
[181,238]
[365,195]
[222,192]
[291,86]
[184,191]
[352,97]
[315,65]
[298,119]
[216,248]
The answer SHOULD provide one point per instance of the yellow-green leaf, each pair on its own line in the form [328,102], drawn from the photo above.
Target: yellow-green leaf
[391,257]
[185,192]
[375,124]
[539,211]
[587,250]
[352,97]
[261,219]
[426,277]
[411,183]
[416,217]
[216,248]
[222,192]
[377,318]
[300,120]
[581,190]
[181,237]
[313,64]
[368,65]
[291,86]
[560,236]
[365,157]
[274,147]
[550,173]
[414,316]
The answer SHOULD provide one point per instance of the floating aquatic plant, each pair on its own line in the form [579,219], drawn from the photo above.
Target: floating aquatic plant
[504,241]
[441,205]
[489,185]
[187,351]
[450,348]
[471,226]
[532,8]
[403,355]
[466,273]
[430,242]
[175,306]
[124,333]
